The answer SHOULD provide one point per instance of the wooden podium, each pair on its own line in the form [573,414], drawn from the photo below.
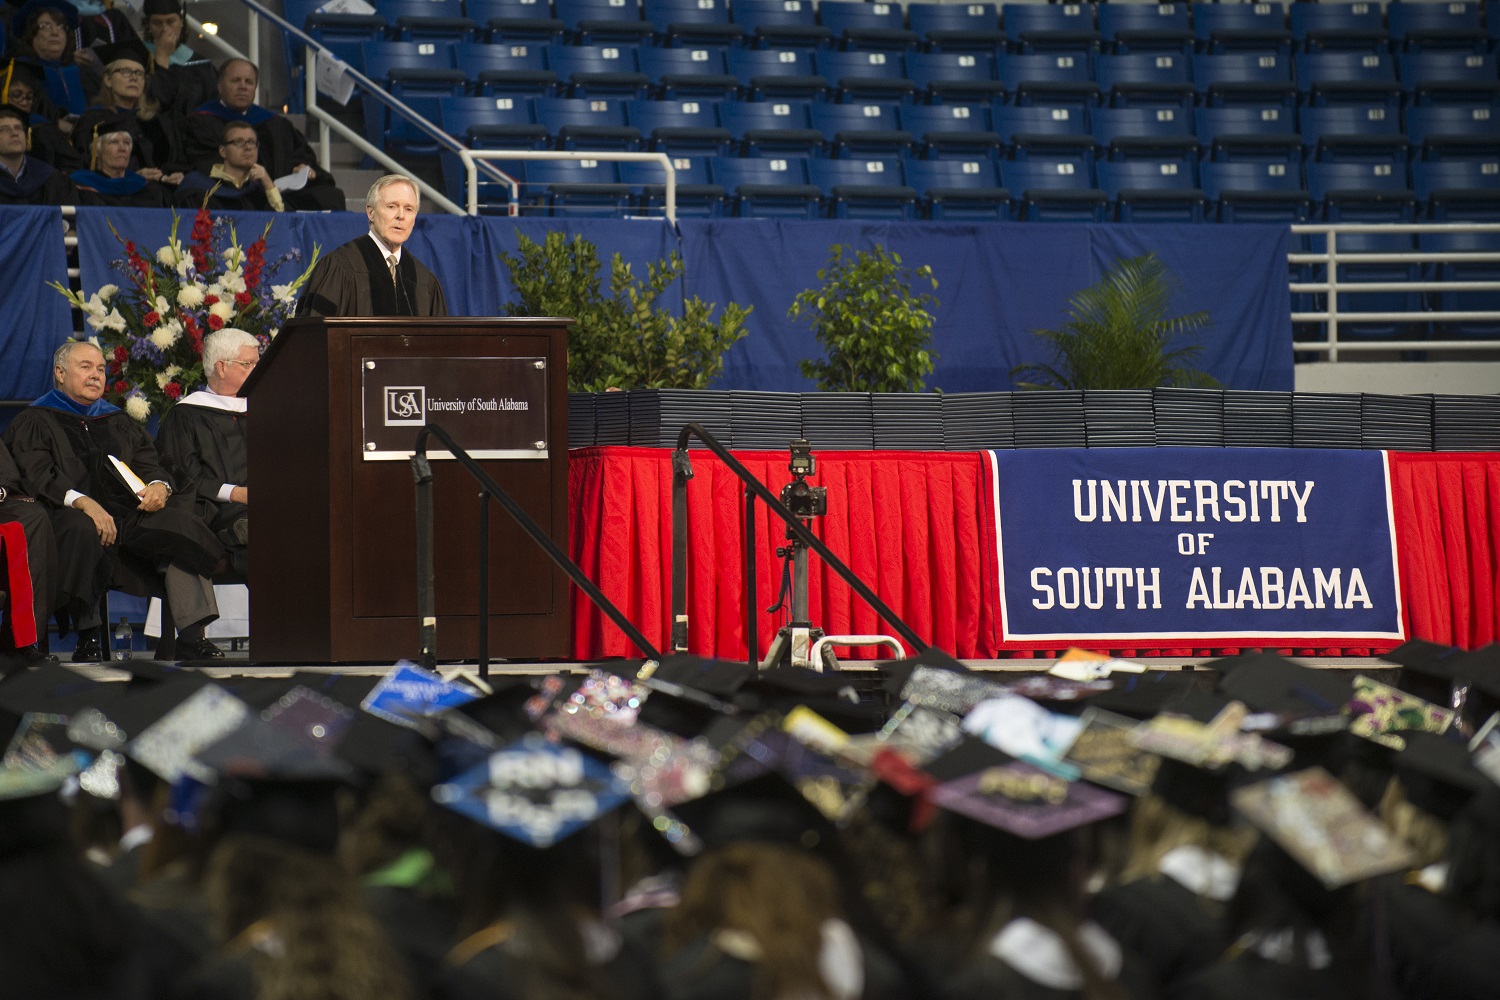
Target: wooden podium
[333,561]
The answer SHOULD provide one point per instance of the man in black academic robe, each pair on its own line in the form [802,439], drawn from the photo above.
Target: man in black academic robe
[283,149]
[24,179]
[41,555]
[372,275]
[203,440]
[236,182]
[181,78]
[63,443]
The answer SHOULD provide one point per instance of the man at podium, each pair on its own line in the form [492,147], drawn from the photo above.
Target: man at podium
[372,275]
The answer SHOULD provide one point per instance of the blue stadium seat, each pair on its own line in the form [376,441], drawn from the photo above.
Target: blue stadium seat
[1141,191]
[506,68]
[1361,192]
[1145,80]
[780,23]
[1353,135]
[861,76]
[1051,28]
[772,128]
[1337,27]
[1463,78]
[868,26]
[487,123]
[580,188]
[952,131]
[1249,28]
[604,21]
[768,188]
[777,74]
[1146,28]
[959,190]
[1447,133]
[1249,135]
[1050,133]
[587,123]
[1458,190]
[418,73]
[516,20]
[1368,272]
[345,35]
[688,72]
[1237,78]
[1256,192]
[1053,191]
[861,130]
[864,189]
[681,128]
[1420,26]
[1455,271]
[598,70]
[1363,79]
[427,20]
[955,76]
[1145,133]
[1048,79]
[697,194]
[957,27]
[694,23]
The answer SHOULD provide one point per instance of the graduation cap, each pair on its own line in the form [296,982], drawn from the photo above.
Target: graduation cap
[768,808]
[506,712]
[1437,774]
[721,678]
[408,694]
[534,791]
[1026,801]
[1319,823]
[1383,714]
[179,726]
[1105,753]
[32,814]
[159,8]
[130,48]
[1141,696]
[1426,669]
[899,672]
[62,8]
[1269,683]
[687,711]
[1480,669]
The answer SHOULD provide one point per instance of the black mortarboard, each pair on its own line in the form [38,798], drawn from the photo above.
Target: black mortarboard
[26,72]
[1481,669]
[688,712]
[376,747]
[1269,683]
[32,814]
[968,756]
[1196,791]
[1141,696]
[157,8]
[141,706]
[303,812]
[720,678]
[768,808]
[1426,669]
[19,19]
[129,48]
[504,711]
[55,688]
[833,696]
[1437,774]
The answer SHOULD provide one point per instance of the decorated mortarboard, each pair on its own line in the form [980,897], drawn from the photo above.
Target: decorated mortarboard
[1026,801]
[948,690]
[1213,744]
[1105,753]
[768,808]
[168,746]
[294,738]
[899,672]
[130,48]
[534,791]
[408,694]
[1382,713]
[1059,690]
[146,703]
[1318,822]
[1025,730]
[916,734]
[261,692]
[835,788]
[1268,683]
[1081,665]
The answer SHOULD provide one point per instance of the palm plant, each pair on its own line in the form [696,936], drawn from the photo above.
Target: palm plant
[1119,337]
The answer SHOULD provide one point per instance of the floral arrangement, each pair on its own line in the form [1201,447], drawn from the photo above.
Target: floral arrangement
[151,326]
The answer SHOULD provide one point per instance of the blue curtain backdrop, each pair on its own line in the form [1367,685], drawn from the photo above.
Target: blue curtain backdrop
[996,282]
[35,319]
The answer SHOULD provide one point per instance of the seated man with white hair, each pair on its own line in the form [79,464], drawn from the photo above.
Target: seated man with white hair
[203,443]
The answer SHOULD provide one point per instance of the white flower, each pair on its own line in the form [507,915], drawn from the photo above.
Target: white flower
[95,306]
[233,282]
[184,264]
[234,256]
[138,407]
[166,375]
[283,293]
[222,309]
[190,296]
[167,256]
[161,305]
[106,293]
[166,335]
[114,321]
[94,341]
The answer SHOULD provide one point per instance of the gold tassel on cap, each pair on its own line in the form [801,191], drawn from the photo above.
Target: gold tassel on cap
[94,146]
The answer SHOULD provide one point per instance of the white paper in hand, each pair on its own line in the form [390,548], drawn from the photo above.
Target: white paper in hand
[128,475]
[294,181]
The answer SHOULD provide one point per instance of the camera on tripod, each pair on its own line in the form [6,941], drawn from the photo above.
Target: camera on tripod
[802,500]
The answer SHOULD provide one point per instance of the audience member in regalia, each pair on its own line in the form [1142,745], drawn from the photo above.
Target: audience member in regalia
[203,439]
[283,149]
[123,97]
[237,181]
[21,87]
[65,444]
[25,179]
[110,181]
[44,36]
[38,560]
[181,78]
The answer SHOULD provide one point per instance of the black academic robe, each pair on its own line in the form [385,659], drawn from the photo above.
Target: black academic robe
[700,972]
[497,974]
[130,191]
[196,186]
[59,451]
[282,149]
[355,281]
[39,184]
[203,448]
[1171,929]
[181,87]
[51,146]
[156,141]
[1250,977]
[41,546]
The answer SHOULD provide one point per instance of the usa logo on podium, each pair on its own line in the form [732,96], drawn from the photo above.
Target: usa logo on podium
[405,406]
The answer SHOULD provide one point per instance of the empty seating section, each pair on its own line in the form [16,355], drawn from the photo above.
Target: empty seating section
[1214,112]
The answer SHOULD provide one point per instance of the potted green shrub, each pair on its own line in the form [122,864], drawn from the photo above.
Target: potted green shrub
[1119,335]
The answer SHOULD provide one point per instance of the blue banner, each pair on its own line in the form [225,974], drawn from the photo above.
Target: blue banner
[35,319]
[1157,543]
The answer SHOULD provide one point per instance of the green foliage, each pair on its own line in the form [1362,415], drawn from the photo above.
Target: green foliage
[622,339]
[876,333]
[1118,335]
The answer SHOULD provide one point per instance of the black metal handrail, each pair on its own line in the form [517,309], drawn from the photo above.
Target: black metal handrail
[426,597]
[682,471]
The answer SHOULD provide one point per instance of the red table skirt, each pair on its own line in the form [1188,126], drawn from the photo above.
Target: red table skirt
[918,527]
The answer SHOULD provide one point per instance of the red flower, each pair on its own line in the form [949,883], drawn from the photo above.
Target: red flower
[121,354]
[130,248]
[242,299]
[172,390]
[121,386]
[215,323]
[210,300]
[151,318]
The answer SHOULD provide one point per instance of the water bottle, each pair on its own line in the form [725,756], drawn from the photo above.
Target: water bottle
[124,639]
